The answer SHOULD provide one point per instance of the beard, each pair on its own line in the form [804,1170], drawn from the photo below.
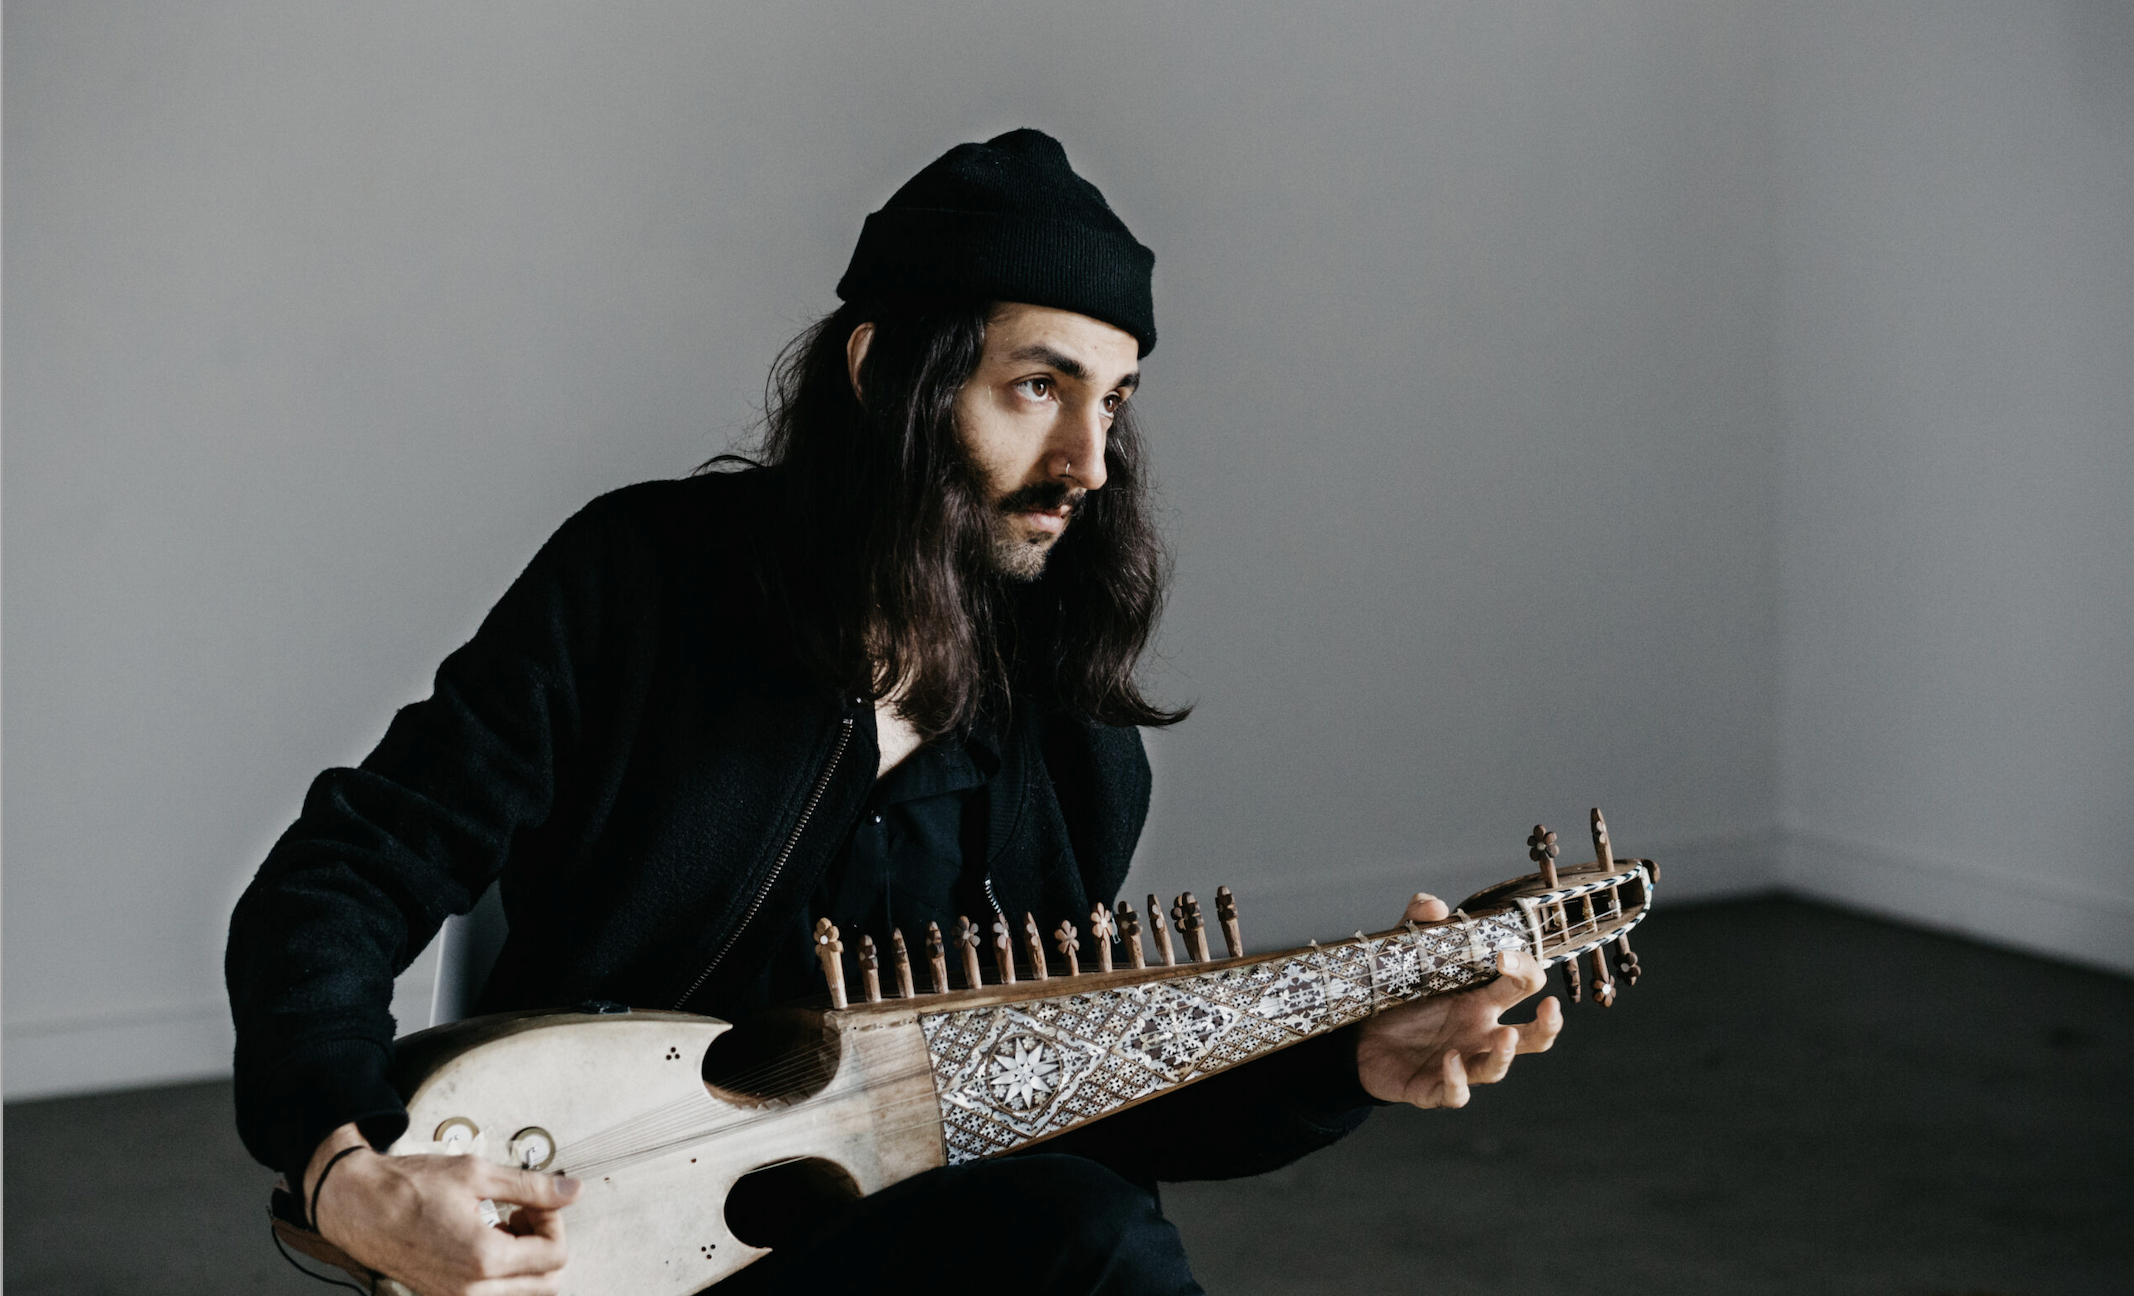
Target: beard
[1018,553]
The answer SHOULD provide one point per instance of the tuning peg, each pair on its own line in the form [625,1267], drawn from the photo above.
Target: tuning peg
[1003,950]
[1130,934]
[1035,939]
[1064,938]
[966,938]
[1603,851]
[1161,931]
[830,951]
[1603,979]
[1626,961]
[1185,911]
[870,970]
[1571,987]
[1541,848]
[900,959]
[1100,931]
[937,957]
[1226,914]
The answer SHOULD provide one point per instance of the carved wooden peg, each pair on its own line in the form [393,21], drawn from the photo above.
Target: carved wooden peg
[1626,961]
[900,959]
[1100,931]
[1003,950]
[830,951]
[1572,989]
[1065,940]
[1541,848]
[1185,911]
[1603,980]
[937,957]
[1130,934]
[1226,914]
[870,970]
[1161,931]
[966,938]
[1034,937]
[1603,851]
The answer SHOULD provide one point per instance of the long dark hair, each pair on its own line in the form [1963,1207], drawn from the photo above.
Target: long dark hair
[886,555]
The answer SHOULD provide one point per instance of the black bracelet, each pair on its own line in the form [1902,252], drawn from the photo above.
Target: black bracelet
[320,1182]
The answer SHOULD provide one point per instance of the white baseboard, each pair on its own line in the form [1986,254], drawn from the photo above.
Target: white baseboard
[1986,904]
[152,1047]
[49,1060]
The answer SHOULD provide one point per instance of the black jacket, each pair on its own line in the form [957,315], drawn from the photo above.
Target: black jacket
[630,742]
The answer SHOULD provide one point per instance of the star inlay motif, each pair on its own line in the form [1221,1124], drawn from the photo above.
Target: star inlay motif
[1022,1075]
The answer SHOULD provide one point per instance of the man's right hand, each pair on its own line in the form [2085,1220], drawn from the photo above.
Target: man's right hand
[418,1219]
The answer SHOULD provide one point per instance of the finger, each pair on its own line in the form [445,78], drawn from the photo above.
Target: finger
[1426,908]
[527,1187]
[1451,1082]
[1426,1088]
[1539,1034]
[1455,1079]
[1489,1067]
[1519,975]
[532,1221]
[510,1255]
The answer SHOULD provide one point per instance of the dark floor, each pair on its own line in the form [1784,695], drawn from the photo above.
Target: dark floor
[1794,1100]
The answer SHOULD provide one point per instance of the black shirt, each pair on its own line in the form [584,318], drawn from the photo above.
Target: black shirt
[907,860]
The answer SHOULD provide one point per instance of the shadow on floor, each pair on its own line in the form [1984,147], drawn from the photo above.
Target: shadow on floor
[1792,1100]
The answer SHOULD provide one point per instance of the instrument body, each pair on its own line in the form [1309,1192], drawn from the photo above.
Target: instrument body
[649,1215]
[693,1143]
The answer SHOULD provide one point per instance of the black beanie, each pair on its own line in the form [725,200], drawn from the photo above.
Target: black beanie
[1006,220]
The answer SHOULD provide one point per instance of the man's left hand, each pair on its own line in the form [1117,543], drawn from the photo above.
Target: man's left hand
[1429,1052]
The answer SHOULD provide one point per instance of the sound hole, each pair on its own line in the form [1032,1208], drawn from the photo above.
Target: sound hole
[779,1057]
[770,1207]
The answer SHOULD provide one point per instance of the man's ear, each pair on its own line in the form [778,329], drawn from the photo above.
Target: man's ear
[856,352]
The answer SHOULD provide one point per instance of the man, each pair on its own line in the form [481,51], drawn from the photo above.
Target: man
[885,676]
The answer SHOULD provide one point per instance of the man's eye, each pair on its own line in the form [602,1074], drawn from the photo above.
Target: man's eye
[1035,388]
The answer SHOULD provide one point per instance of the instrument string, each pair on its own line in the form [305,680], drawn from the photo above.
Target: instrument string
[646,1135]
[669,1119]
[928,1103]
[608,1158]
[685,1121]
[912,1114]
[699,1118]
[669,1141]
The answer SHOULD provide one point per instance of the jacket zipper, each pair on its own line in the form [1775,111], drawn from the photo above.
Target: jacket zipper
[822,784]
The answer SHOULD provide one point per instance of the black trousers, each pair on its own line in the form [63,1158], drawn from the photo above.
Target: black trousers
[1040,1225]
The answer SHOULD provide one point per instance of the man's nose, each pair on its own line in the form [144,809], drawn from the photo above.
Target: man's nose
[1078,447]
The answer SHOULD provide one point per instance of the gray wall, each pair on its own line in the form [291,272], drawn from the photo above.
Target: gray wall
[1956,237]
[1484,329]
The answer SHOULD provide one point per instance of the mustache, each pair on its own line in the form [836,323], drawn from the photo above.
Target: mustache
[1045,495]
